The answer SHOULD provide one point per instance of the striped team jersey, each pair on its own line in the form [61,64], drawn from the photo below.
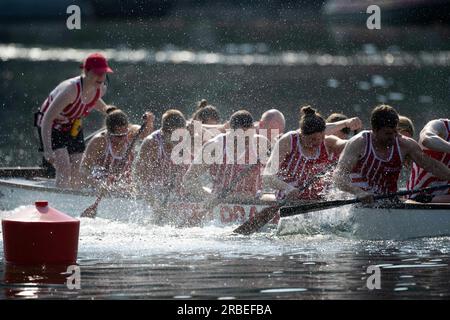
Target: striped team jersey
[72,111]
[376,175]
[224,173]
[297,169]
[112,161]
[419,178]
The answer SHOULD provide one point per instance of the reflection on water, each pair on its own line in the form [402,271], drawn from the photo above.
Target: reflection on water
[128,260]
[316,273]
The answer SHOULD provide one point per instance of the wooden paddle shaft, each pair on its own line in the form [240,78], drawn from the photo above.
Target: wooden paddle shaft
[294,210]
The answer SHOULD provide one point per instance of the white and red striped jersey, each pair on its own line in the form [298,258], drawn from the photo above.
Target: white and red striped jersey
[232,166]
[376,175]
[420,178]
[297,169]
[72,111]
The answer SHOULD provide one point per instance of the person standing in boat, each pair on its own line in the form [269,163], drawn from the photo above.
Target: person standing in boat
[435,142]
[235,170]
[304,154]
[156,173]
[105,153]
[59,118]
[372,160]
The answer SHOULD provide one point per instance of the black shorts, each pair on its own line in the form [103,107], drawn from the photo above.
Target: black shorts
[63,139]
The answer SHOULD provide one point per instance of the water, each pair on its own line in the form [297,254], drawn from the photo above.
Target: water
[235,61]
[126,260]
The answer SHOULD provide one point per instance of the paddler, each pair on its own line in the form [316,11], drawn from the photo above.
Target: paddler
[300,156]
[157,172]
[372,160]
[232,161]
[103,160]
[435,142]
[59,118]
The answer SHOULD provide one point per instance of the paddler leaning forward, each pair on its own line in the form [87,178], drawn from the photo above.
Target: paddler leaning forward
[233,161]
[157,175]
[302,157]
[104,162]
[372,160]
[435,142]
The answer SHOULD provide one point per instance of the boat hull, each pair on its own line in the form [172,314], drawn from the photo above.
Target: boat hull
[405,221]
[408,221]
[15,192]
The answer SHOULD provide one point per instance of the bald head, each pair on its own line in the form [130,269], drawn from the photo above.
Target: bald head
[272,119]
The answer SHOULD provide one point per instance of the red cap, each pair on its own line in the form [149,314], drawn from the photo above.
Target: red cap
[97,63]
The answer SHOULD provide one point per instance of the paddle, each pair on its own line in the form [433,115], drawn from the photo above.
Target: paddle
[305,208]
[91,211]
[261,218]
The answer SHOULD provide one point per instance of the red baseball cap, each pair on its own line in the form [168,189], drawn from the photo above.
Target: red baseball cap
[97,63]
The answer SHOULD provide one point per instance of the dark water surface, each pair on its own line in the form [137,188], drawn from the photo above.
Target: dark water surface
[208,263]
[234,61]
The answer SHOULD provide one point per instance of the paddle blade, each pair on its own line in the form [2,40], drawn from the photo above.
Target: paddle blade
[90,212]
[258,221]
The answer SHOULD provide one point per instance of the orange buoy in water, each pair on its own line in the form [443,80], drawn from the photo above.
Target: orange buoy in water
[40,235]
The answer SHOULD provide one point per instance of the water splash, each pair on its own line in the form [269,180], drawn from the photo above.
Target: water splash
[333,221]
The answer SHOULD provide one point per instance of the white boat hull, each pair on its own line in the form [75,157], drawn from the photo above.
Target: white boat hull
[18,192]
[409,221]
[412,221]
[15,192]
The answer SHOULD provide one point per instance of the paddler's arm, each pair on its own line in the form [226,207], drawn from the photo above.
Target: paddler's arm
[144,167]
[149,128]
[270,174]
[64,98]
[412,149]
[349,158]
[192,181]
[354,124]
[334,144]
[101,106]
[432,137]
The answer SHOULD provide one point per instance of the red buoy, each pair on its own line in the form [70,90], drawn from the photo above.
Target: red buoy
[40,235]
